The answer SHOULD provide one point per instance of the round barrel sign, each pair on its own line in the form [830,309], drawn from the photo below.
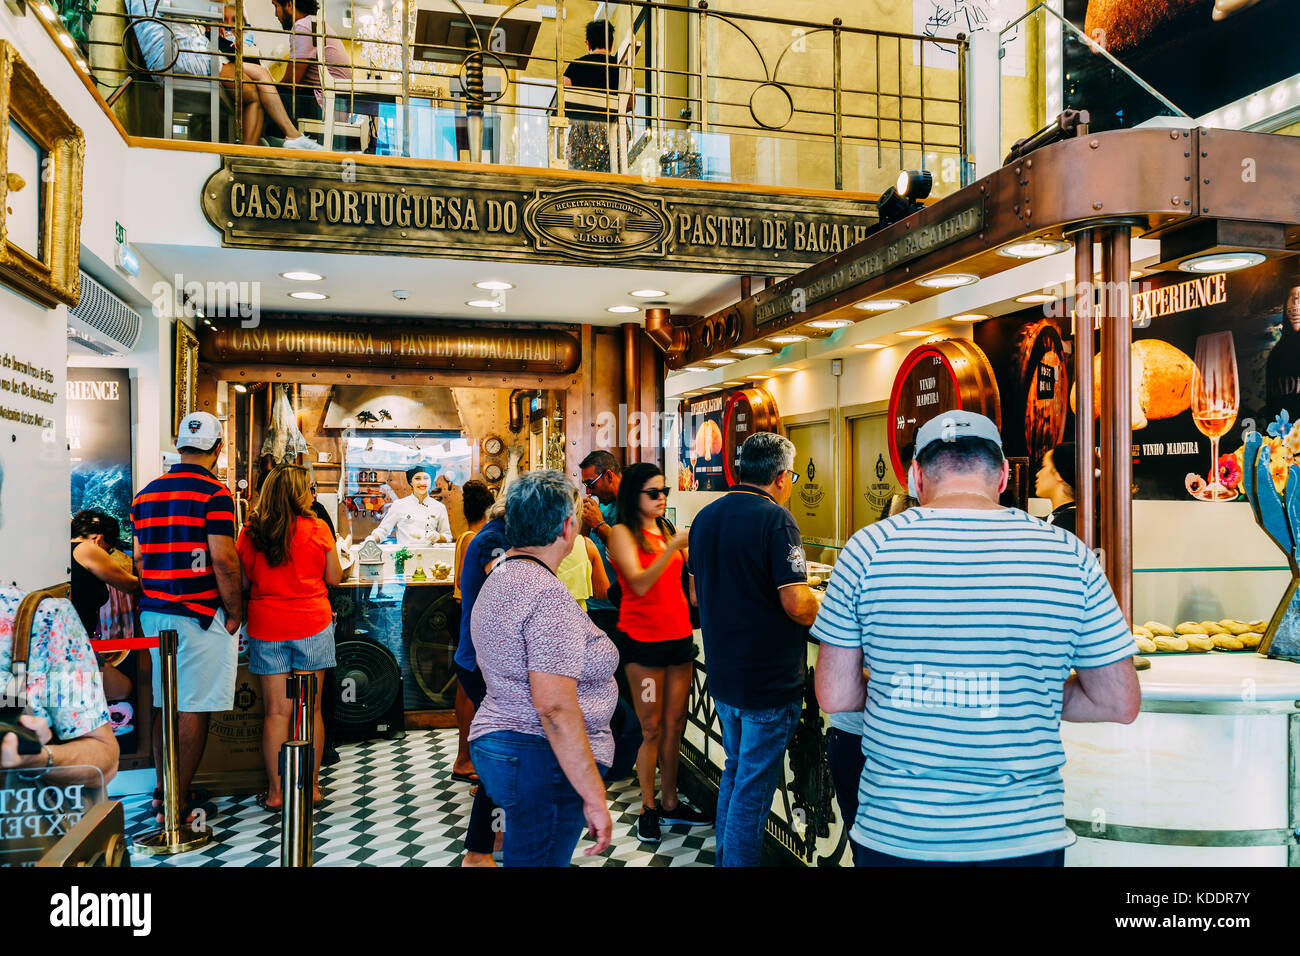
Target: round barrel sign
[748,410]
[938,377]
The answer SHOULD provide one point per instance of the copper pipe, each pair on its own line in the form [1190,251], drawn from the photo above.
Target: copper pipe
[768,282]
[1116,417]
[1085,494]
[659,328]
[632,385]
[744,287]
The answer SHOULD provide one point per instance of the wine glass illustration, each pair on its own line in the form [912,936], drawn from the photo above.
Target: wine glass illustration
[1216,399]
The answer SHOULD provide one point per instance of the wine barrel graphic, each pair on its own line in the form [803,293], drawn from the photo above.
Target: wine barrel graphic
[1042,386]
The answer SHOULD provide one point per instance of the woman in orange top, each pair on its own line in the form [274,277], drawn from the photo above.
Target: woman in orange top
[656,643]
[288,559]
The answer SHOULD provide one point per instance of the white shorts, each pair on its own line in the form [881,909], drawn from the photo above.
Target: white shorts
[206,661]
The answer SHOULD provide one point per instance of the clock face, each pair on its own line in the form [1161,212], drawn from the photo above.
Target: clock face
[492,472]
[492,445]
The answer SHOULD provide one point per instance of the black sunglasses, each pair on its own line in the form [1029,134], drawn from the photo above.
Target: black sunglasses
[589,483]
[655,493]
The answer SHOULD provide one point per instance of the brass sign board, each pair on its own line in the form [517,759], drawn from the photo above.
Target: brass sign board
[322,206]
[876,262]
[526,350]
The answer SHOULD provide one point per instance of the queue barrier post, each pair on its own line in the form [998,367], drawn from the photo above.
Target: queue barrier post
[297,760]
[301,689]
[176,836]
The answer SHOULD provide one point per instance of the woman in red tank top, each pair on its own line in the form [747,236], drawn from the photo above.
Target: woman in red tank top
[656,644]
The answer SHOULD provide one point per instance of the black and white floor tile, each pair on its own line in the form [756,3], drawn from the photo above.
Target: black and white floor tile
[393,803]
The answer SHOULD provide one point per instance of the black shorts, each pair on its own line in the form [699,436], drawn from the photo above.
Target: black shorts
[656,653]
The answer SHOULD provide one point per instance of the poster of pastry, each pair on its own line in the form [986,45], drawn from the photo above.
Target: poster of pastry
[701,466]
[1199,54]
[1213,357]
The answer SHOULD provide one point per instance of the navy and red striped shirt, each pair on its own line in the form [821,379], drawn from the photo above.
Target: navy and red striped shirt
[173,516]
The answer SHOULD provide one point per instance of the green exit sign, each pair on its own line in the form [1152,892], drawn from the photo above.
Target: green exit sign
[119,232]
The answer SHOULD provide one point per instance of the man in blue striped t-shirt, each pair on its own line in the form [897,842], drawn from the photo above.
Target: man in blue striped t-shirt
[968,617]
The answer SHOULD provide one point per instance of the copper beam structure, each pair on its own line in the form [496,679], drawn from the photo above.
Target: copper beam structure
[632,386]
[1085,493]
[1116,416]
[744,287]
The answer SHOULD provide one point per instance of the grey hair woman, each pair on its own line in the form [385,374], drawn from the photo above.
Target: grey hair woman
[541,740]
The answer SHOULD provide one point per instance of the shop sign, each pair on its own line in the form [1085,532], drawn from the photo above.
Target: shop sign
[916,243]
[1193,294]
[530,350]
[322,207]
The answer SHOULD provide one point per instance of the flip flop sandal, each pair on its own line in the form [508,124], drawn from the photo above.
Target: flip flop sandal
[261,802]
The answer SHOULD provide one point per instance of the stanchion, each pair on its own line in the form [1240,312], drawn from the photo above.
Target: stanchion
[176,836]
[297,760]
[302,691]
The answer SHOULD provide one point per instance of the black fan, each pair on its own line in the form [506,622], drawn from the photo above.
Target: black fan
[368,691]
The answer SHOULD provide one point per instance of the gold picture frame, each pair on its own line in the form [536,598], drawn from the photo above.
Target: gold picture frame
[186,382]
[49,274]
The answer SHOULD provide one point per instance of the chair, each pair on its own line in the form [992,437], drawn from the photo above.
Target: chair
[209,88]
[329,125]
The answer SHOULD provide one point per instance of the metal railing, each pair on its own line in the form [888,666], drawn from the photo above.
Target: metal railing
[694,93]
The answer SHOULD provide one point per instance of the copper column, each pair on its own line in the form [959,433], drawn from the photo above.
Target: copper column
[1116,416]
[1085,493]
[632,389]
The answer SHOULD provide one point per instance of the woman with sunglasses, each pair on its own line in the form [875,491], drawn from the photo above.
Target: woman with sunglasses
[658,648]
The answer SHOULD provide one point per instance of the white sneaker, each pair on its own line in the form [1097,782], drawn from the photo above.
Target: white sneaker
[302,142]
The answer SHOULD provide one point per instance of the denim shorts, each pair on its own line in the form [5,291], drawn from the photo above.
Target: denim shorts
[206,661]
[315,653]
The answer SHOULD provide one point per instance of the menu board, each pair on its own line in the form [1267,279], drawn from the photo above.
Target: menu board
[700,466]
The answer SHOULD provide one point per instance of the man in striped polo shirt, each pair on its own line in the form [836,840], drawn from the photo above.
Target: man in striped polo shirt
[968,618]
[185,552]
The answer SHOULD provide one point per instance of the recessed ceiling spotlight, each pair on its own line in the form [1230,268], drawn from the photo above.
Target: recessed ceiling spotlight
[917,333]
[648,293]
[969,317]
[66,40]
[831,323]
[787,339]
[871,346]
[752,350]
[880,305]
[483,303]
[783,369]
[493,285]
[1035,297]
[301,276]
[81,65]
[723,361]
[46,11]
[240,387]
[696,368]
[1033,248]
[1221,262]
[733,383]
[948,280]
[623,308]
[308,295]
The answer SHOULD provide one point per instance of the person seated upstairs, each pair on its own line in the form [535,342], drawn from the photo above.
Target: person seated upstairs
[300,88]
[65,704]
[195,58]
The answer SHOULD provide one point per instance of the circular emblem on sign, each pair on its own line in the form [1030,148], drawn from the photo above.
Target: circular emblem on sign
[591,223]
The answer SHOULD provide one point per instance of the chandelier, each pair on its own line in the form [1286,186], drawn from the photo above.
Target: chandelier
[380,33]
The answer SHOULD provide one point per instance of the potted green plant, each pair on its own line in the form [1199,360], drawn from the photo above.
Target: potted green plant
[400,557]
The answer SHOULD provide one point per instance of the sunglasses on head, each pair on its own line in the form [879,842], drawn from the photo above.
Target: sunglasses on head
[655,493]
[589,483]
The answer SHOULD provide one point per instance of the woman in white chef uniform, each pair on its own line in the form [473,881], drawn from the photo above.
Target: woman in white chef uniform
[418,519]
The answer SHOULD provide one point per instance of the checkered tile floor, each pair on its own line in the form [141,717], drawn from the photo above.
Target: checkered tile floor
[393,803]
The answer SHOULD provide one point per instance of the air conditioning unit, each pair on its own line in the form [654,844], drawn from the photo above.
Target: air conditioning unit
[101,321]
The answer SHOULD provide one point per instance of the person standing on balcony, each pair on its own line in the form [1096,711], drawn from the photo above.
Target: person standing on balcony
[597,72]
[302,80]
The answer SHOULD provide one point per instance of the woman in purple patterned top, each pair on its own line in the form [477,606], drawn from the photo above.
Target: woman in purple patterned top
[541,739]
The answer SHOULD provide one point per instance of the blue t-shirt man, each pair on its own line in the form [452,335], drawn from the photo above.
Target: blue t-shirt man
[609,512]
[484,547]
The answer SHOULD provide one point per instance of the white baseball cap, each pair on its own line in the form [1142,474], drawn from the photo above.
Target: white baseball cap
[949,426]
[199,431]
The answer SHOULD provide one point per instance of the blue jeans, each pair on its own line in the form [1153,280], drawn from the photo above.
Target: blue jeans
[865,857]
[754,742]
[543,813]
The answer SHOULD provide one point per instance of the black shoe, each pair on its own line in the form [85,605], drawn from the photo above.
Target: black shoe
[329,757]
[684,814]
[647,825]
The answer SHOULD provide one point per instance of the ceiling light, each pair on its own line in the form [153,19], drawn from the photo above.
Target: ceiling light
[733,383]
[880,305]
[301,276]
[240,387]
[484,303]
[948,280]
[787,338]
[1033,249]
[46,11]
[696,368]
[308,295]
[752,350]
[493,285]
[831,323]
[81,65]
[869,346]
[783,370]
[723,361]
[648,293]
[1221,262]
[917,333]
[65,40]
[623,308]
[969,317]
[1036,297]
